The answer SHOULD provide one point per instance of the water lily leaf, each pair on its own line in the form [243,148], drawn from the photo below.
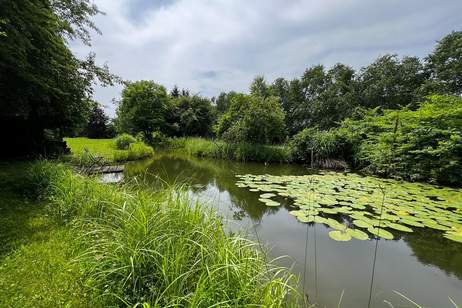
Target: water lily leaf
[361,223]
[398,227]
[453,237]
[339,236]
[267,195]
[380,233]
[358,234]
[269,202]
[305,219]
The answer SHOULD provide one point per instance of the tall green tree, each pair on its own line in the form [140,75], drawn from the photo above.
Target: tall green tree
[258,87]
[391,83]
[192,116]
[143,108]
[43,86]
[252,119]
[444,65]
[97,125]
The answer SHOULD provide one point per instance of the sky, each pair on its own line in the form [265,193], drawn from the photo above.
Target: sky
[210,46]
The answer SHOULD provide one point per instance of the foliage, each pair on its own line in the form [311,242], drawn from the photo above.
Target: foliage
[157,248]
[233,151]
[258,87]
[224,101]
[425,144]
[391,83]
[97,125]
[143,108]
[252,119]
[318,148]
[136,150]
[444,65]
[191,116]
[123,141]
[42,84]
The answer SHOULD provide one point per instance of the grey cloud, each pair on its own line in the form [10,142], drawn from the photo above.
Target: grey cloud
[212,46]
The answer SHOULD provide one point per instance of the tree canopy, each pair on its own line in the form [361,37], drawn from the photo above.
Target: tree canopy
[42,84]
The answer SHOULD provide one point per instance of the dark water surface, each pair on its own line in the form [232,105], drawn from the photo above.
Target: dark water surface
[419,265]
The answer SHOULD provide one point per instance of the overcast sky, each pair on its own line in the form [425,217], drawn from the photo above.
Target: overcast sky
[209,46]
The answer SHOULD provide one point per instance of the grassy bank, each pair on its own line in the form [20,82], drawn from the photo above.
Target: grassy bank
[233,151]
[36,252]
[82,147]
[126,246]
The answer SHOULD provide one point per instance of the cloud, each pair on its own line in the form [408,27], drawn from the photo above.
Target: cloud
[220,45]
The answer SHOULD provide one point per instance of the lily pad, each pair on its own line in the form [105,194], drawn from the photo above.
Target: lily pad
[381,233]
[339,236]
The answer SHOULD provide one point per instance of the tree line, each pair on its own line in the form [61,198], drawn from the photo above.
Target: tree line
[274,112]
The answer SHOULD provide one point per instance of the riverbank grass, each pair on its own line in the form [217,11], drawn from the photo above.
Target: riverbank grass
[36,253]
[218,149]
[123,246]
[82,147]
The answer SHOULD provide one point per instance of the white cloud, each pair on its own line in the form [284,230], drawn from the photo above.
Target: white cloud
[212,46]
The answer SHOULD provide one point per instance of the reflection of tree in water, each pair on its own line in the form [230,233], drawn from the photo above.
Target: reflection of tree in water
[200,173]
[431,248]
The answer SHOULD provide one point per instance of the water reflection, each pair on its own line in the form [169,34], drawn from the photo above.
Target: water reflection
[422,265]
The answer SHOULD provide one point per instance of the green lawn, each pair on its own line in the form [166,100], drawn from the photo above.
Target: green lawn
[106,149]
[36,253]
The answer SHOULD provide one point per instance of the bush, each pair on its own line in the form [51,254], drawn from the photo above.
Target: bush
[137,150]
[123,141]
[320,148]
[158,249]
[252,119]
[424,145]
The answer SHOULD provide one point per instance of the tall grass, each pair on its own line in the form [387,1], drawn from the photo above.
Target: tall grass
[158,248]
[232,151]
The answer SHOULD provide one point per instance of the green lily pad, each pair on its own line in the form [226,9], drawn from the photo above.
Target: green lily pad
[358,234]
[381,233]
[339,236]
[398,227]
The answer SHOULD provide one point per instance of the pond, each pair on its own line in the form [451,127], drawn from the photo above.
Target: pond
[422,265]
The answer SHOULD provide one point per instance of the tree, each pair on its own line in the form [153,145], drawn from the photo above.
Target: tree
[224,101]
[192,116]
[175,92]
[43,86]
[252,119]
[444,65]
[143,108]
[97,125]
[391,83]
[259,87]
[339,99]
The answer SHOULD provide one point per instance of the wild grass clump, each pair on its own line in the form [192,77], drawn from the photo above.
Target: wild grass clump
[158,248]
[123,141]
[232,151]
[135,151]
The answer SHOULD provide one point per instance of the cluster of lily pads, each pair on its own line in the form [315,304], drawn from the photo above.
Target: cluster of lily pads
[371,206]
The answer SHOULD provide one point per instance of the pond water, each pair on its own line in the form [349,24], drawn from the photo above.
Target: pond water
[422,265]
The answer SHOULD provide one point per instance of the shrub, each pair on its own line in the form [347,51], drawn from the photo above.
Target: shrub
[320,148]
[123,141]
[424,145]
[137,150]
[252,119]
